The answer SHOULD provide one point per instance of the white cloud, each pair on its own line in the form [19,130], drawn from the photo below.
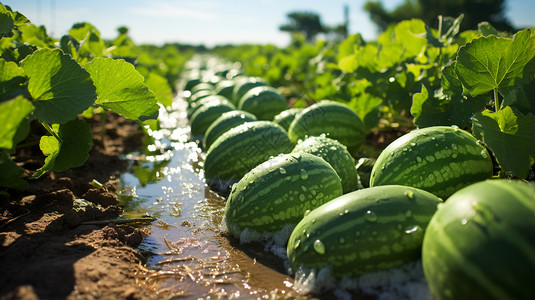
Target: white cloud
[200,10]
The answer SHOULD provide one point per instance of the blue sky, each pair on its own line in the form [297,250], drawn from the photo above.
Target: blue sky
[211,22]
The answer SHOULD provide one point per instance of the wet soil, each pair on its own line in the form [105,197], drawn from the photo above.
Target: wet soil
[48,250]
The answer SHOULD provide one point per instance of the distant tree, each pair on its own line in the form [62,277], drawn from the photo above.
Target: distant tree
[428,10]
[307,23]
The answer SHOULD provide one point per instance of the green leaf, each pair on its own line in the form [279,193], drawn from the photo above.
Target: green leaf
[12,113]
[367,108]
[72,151]
[160,86]
[10,173]
[120,88]
[36,36]
[428,111]
[510,136]
[6,22]
[486,29]
[80,31]
[491,62]
[348,63]
[60,87]
[11,78]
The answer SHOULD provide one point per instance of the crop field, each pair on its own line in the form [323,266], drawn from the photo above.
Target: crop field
[400,168]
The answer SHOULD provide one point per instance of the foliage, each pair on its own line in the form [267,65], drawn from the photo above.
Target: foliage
[57,83]
[417,76]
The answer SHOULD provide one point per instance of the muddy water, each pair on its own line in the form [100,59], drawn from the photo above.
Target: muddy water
[188,256]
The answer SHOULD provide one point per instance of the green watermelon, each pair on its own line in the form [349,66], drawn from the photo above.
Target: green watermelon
[242,148]
[481,243]
[334,119]
[279,191]
[264,102]
[205,115]
[336,155]
[438,159]
[227,121]
[363,231]
[286,117]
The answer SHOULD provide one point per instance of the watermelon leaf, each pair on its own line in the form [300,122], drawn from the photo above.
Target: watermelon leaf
[159,85]
[506,132]
[12,113]
[10,173]
[491,62]
[70,151]
[61,88]
[120,88]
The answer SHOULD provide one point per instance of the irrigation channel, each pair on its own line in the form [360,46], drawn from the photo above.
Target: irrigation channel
[187,254]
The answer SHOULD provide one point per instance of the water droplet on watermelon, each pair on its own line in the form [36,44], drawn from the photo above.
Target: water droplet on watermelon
[313,221]
[409,194]
[414,231]
[282,170]
[319,247]
[306,212]
[455,127]
[297,243]
[464,222]
[370,216]
[413,144]
[296,155]
[346,211]
[332,148]
[304,174]
[484,153]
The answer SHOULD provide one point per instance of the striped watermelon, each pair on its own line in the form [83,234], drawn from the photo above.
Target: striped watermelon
[481,243]
[438,159]
[206,114]
[336,155]
[363,231]
[194,106]
[244,84]
[286,117]
[227,121]
[279,191]
[264,102]
[242,148]
[334,119]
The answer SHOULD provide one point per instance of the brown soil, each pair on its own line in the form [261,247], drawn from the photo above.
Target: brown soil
[50,251]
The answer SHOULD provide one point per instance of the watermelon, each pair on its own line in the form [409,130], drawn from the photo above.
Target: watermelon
[225,88]
[244,84]
[438,159]
[227,121]
[242,148]
[336,155]
[286,117]
[205,115]
[264,102]
[279,191]
[481,243]
[194,106]
[363,231]
[334,119]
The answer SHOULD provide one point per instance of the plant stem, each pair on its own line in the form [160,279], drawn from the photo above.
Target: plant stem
[51,131]
[496,104]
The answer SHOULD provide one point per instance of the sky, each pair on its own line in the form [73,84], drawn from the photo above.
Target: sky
[212,22]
